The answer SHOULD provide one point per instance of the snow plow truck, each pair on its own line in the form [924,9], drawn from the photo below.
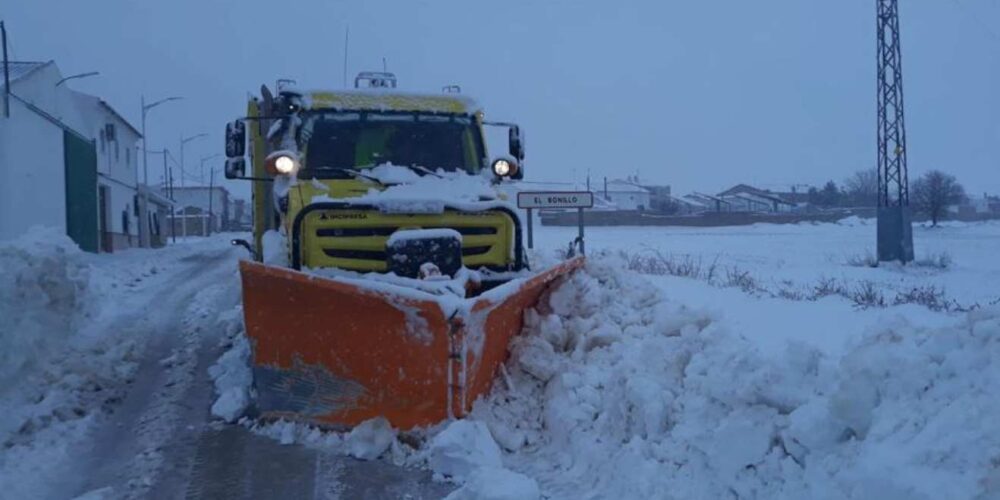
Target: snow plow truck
[388,274]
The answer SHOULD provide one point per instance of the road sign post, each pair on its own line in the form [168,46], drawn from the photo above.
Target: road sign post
[530,200]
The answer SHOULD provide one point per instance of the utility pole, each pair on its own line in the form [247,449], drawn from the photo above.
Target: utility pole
[143,201]
[211,183]
[173,209]
[6,72]
[895,231]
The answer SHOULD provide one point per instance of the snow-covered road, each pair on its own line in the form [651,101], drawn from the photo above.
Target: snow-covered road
[154,436]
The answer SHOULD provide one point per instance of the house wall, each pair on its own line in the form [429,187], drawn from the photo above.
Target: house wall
[32,173]
[629,200]
[117,165]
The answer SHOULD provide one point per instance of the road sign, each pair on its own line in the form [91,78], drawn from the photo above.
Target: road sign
[555,199]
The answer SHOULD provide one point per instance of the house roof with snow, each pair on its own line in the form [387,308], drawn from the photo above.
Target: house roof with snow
[102,104]
[744,189]
[21,69]
[623,186]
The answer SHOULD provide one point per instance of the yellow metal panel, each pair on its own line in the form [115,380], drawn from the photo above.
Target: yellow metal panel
[384,101]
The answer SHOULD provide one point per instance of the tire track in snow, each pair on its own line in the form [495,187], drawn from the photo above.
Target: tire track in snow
[129,451]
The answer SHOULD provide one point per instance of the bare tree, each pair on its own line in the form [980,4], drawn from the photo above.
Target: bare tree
[861,188]
[933,192]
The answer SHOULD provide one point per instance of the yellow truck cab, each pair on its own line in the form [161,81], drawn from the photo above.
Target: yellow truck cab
[341,173]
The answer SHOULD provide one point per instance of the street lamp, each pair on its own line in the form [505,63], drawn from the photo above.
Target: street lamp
[183,142]
[143,226]
[81,75]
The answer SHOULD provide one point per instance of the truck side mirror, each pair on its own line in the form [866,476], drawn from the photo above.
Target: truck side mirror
[236,139]
[236,168]
[516,143]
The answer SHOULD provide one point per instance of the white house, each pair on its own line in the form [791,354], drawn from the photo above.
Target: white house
[626,195]
[67,160]
[117,173]
[47,164]
[201,202]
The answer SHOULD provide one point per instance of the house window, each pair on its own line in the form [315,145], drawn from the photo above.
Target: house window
[103,141]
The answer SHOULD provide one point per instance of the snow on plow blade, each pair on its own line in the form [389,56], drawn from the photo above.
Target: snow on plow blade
[337,353]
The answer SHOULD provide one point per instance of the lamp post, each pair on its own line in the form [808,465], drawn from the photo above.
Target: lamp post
[183,142]
[81,75]
[143,226]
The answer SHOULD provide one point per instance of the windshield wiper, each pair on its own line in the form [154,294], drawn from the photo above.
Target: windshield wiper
[359,174]
[418,168]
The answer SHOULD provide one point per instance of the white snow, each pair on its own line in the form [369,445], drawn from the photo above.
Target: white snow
[619,391]
[275,248]
[370,439]
[233,378]
[461,448]
[70,344]
[422,234]
[494,483]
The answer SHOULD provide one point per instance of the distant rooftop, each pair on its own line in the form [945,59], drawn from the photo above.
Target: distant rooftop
[20,69]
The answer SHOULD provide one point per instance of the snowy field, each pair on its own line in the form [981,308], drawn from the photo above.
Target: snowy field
[765,361]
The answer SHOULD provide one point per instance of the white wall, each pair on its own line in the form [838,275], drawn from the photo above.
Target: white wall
[32,175]
[117,162]
[628,200]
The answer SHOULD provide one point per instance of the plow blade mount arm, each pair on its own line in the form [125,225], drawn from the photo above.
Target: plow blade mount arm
[338,352]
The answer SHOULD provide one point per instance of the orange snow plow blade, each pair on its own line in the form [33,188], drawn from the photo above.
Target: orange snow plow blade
[337,353]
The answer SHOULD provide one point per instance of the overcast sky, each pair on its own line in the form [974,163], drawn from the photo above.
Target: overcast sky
[700,95]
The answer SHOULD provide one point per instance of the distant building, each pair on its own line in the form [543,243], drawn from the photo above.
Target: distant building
[745,198]
[688,205]
[714,203]
[194,203]
[626,195]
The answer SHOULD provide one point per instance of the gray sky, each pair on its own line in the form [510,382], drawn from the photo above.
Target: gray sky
[700,95]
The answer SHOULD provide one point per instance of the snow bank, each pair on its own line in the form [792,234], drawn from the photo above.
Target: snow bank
[43,296]
[494,483]
[461,448]
[233,379]
[370,439]
[617,392]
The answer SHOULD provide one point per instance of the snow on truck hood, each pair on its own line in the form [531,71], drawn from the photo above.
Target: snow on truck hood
[409,192]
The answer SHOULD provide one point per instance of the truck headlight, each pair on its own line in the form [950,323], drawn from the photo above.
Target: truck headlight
[504,167]
[284,165]
[282,162]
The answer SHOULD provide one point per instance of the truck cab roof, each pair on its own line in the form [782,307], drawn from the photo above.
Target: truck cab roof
[384,100]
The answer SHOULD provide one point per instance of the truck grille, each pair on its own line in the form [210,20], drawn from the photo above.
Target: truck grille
[355,240]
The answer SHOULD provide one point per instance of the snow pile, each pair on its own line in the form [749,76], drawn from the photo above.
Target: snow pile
[461,448]
[231,373]
[616,392]
[43,296]
[494,483]
[466,452]
[428,193]
[370,439]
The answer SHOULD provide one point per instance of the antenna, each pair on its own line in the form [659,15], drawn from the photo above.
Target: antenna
[385,68]
[347,41]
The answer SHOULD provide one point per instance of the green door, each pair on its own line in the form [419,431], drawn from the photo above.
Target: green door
[80,159]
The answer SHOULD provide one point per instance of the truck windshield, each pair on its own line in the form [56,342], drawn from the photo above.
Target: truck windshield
[333,142]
